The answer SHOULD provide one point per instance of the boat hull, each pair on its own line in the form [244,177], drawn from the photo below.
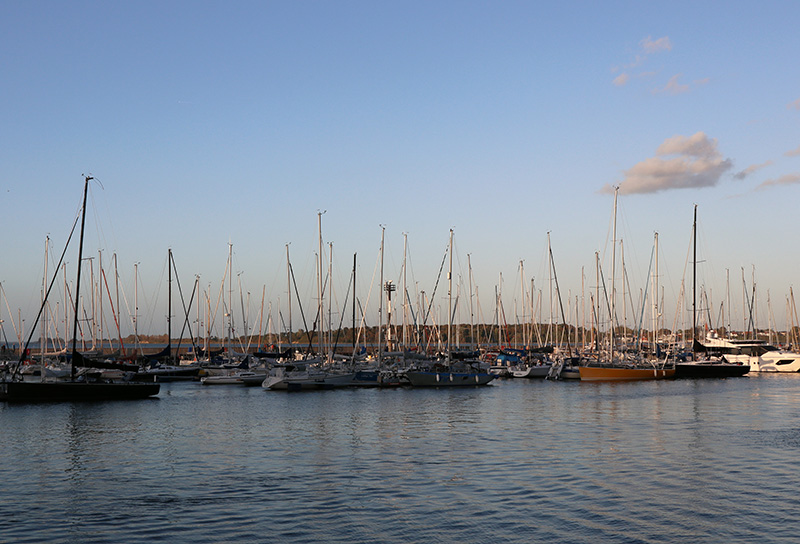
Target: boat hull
[310,383]
[612,373]
[75,391]
[707,369]
[448,379]
[773,361]
[538,371]
[223,380]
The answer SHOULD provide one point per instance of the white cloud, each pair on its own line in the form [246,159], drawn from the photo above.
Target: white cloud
[648,46]
[680,163]
[751,169]
[653,46]
[621,79]
[793,153]
[673,87]
[788,179]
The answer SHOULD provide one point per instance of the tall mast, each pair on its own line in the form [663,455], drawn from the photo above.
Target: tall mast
[613,272]
[380,304]
[169,304]
[136,304]
[471,312]
[450,299]
[319,285]
[624,305]
[78,280]
[230,298]
[354,303]
[728,298]
[289,292]
[66,306]
[330,303]
[550,334]
[405,293]
[655,295]
[116,289]
[100,296]
[522,301]
[43,336]
[694,278]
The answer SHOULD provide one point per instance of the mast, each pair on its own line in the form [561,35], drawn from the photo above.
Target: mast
[330,303]
[289,287]
[380,304]
[116,288]
[624,305]
[66,307]
[728,298]
[405,294]
[471,312]
[522,302]
[656,312]
[169,304]
[136,305]
[43,337]
[78,280]
[230,299]
[100,296]
[354,303]
[450,298]
[550,334]
[694,279]
[613,272]
[319,285]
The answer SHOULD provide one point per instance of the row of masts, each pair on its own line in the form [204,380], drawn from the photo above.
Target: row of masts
[324,328]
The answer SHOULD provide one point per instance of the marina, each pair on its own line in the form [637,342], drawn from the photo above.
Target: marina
[399,273]
[515,461]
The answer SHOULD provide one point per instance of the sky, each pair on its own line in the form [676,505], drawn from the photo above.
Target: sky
[247,125]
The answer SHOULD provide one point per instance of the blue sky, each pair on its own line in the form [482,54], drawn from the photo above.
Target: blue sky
[209,123]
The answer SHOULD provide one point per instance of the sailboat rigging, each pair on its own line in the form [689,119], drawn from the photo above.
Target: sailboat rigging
[77,387]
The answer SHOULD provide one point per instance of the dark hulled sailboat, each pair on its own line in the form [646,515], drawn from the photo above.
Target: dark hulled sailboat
[706,367]
[75,388]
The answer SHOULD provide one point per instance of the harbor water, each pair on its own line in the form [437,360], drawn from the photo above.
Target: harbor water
[515,461]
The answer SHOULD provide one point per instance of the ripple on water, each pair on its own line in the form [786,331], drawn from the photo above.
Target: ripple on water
[519,461]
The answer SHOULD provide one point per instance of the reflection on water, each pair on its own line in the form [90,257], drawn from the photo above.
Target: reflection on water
[518,461]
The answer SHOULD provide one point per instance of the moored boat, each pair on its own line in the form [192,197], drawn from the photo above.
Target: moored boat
[609,372]
[80,386]
[714,367]
[758,354]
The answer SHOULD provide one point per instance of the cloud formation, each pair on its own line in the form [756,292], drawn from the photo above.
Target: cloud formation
[753,168]
[647,46]
[621,79]
[793,153]
[673,87]
[681,162]
[788,179]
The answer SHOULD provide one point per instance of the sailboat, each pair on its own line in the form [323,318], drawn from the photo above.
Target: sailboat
[79,386]
[707,367]
[318,372]
[162,367]
[620,370]
[446,373]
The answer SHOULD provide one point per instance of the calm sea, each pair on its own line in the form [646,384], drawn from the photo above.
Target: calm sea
[517,461]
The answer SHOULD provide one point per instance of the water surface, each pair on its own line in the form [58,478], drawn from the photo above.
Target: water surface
[516,461]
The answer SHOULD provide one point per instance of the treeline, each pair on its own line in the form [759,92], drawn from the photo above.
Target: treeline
[484,334]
